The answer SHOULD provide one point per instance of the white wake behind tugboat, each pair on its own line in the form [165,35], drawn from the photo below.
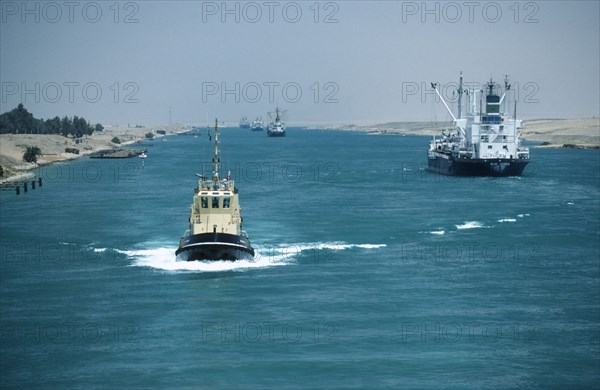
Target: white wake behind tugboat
[215,223]
[485,142]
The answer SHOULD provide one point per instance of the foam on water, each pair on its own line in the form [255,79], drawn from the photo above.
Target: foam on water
[438,232]
[369,246]
[507,220]
[471,225]
[164,258]
[265,256]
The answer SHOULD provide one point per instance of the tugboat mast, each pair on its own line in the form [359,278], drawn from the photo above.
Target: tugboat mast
[216,161]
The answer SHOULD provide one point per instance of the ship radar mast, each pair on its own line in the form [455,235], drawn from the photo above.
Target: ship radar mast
[490,86]
[216,161]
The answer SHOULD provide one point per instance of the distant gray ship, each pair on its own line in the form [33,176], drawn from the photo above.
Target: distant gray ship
[277,126]
[484,143]
[244,123]
[257,125]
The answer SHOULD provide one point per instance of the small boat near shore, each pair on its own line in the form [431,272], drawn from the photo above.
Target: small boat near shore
[118,153]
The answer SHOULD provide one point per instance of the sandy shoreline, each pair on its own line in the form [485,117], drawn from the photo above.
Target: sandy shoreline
[12,147]
[551,133]
[554,133]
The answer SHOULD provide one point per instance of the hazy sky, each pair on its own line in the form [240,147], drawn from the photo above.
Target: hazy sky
[325,62]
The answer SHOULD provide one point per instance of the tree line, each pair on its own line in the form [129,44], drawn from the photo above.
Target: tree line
[21,121]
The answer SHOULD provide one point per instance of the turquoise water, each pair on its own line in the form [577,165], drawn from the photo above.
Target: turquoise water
[370,272]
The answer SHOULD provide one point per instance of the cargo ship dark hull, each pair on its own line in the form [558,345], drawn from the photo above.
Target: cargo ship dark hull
[275,133]
[214,246]
[452,166]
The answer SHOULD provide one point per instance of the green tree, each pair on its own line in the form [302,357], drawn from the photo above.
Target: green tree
[99,128]
[1,171]
[52,126]
[19,120]
[115,140]
[149,135]
[31,154]
[65,126]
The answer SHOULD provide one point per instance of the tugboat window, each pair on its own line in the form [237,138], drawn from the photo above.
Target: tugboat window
[204,202]
[226,202]
[215,202]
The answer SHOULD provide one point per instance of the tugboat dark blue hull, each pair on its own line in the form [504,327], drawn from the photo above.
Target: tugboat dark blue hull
[214,246]
[276,133]
[452,166]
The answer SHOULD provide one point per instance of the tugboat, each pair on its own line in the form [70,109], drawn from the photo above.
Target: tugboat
[215,231]
[257,125]
[276,127]
[484,143]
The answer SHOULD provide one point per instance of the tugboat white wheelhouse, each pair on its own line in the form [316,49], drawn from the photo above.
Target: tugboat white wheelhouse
[485,143]
[215,230]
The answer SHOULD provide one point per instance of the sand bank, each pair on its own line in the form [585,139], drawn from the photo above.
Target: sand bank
[554,133]
[12,146]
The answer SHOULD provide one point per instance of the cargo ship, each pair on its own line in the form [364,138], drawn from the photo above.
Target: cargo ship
[257,125]
[486,141]
[277,127]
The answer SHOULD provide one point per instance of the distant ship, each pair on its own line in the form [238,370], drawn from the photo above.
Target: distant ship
[244,123]
[257,125]
[215,230]
[276,127]
[484,143]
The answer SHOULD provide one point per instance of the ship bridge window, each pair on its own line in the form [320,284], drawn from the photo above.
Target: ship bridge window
[215,202]
[226,202]
[204,201]
[489,146]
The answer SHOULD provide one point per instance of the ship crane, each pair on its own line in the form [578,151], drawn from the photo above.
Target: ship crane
[460,92]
